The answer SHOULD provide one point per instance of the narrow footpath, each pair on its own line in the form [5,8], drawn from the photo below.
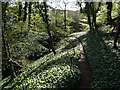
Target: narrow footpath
[86,74]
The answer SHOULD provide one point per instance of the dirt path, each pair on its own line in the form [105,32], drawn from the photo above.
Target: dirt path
[86,75]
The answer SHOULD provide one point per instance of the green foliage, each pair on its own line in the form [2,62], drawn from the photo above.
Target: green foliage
[28,45]
[102,14]
[106,29]
[57,21]
[116,9]
[61,70]
[52,71]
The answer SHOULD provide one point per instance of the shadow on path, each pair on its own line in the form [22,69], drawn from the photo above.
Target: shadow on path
[103,61]
[86,75]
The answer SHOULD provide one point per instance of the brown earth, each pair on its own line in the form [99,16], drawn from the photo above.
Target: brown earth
[86,74]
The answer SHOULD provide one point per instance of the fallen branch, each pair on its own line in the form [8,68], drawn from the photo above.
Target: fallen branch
[16,63]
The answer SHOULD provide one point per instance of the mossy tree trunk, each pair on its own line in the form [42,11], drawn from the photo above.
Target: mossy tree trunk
[5,43]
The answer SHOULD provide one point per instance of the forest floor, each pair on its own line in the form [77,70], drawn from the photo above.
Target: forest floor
[98,65]
[103,60]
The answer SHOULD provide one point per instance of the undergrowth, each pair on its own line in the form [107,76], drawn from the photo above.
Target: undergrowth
[103,61]
[51,71]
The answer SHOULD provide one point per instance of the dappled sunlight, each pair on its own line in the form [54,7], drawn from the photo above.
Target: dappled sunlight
[61,69]
[60,44]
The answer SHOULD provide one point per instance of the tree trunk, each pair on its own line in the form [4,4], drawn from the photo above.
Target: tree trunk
[5,45]
[56,18]
[20,11]
[88,15]
[117,34]
[116,39]
[109,10]
[46,20]
[7,55]
[29,19]
[65,23]
[25,11]
[29,14]
[94,12]
[94,19]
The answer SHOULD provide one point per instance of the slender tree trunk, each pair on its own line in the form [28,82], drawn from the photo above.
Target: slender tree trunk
[65,23]
[109,10]
[29,19]
[89,21]
[116,39]
[56,17]
[29,14]
[48,28]
[20,11]
[25,11]
[88,15]
[94,19]
[117,34]
[94,12]
[80,5]
[93,15]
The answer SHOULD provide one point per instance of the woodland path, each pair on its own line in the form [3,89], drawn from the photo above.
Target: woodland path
[86,74]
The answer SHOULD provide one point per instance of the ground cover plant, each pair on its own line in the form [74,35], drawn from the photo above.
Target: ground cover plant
[60,44]
[103,61]
[59,71]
